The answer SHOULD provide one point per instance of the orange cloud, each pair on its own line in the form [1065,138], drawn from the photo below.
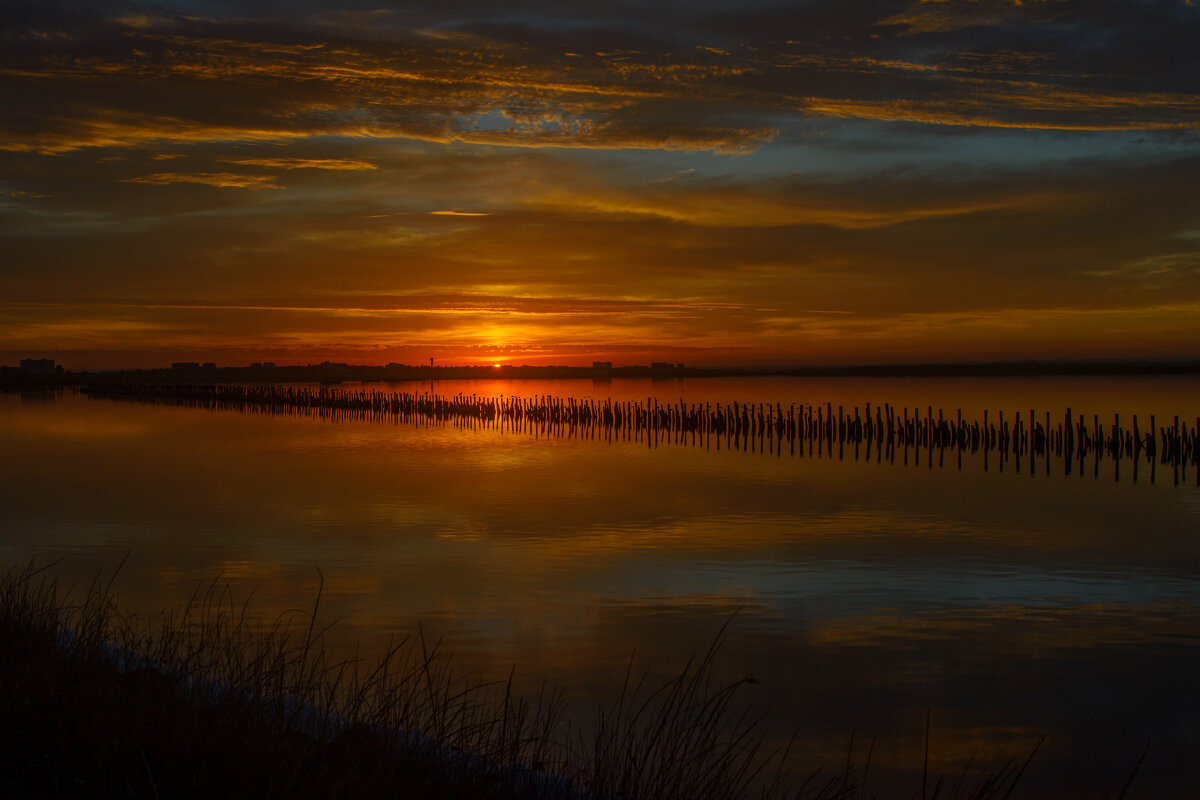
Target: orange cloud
[337,164]
[736,208]
[976,112]
[944,16]
[222,179]
[140,131]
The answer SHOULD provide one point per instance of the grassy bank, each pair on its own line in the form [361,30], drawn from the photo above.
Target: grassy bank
[202,703]
[207,702]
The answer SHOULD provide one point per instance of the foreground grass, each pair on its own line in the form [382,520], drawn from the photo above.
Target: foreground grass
[207,702]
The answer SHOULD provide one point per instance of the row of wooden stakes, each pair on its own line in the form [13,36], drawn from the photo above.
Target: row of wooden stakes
[883,429]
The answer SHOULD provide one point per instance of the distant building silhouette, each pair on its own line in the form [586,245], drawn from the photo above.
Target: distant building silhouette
[602,366]
[185,365]
[38,366]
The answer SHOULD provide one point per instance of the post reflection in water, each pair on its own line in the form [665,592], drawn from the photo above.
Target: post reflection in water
[1008,605]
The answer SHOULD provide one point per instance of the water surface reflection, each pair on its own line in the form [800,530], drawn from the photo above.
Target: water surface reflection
[1009,607]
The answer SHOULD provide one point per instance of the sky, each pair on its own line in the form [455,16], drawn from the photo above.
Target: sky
[707,182]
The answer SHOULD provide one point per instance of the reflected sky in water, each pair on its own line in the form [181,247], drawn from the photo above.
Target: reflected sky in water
[1010,606]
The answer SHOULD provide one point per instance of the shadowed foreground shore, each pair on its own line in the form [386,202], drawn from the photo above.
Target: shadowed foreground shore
[78,719]
[205,702]
[86,729]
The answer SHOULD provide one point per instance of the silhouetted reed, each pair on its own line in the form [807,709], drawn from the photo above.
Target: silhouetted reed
[205,701]
[883,432]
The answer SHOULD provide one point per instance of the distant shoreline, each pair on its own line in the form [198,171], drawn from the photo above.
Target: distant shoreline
[344,373]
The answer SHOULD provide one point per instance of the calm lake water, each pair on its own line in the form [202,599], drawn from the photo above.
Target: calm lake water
[1010,606]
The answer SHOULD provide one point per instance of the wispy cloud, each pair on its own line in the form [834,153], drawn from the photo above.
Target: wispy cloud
[222,179]
[337,164]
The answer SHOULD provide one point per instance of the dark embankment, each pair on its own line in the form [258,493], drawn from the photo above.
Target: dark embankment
[206,702]
[82,713]
[72,726]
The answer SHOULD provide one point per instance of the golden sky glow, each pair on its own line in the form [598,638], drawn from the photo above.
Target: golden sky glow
[712,183]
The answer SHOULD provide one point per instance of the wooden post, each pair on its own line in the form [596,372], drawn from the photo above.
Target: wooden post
[958,432]
[1082,442]
[929,436]
[1017,441]
[1152,445]
[1068,446]
[987,441]
[1069,443]
[1032,424]
[1048,437]
[1174,453]
[1119,441]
